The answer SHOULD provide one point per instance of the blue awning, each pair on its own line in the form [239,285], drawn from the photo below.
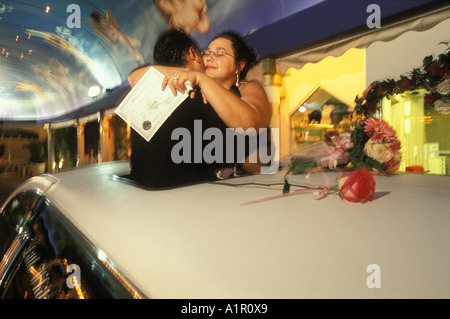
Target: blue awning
[327,21]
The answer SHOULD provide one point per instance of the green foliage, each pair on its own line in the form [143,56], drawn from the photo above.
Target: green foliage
[38,152]
[356,156]
[433,72]
[65,142]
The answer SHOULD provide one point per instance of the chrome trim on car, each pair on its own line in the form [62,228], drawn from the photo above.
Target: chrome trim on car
[12,254]
[102,258]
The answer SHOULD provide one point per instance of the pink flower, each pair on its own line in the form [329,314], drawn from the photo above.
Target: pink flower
[394,145]
[357,186]
[393,164]
[378,130]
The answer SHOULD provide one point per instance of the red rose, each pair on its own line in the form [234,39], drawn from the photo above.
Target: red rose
[379,91]
[372,108]
[404,84]
[437,70]
[369,88]
[357,186]
[430,99]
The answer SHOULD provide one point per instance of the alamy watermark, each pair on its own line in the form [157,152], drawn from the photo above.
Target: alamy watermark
[374,19]
[233,146]
[74,278]
[74,18]
[374,279]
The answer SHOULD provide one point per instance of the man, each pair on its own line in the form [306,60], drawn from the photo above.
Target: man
[151,162]
[173,48]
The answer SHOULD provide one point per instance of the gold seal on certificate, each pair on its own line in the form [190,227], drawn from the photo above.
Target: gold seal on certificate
[146,125]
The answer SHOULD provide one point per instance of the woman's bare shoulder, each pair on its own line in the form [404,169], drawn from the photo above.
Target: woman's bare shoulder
[251,85]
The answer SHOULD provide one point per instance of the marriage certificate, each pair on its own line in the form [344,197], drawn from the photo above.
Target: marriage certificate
[147,107]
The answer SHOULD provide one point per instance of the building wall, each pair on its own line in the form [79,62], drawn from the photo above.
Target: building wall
[16,147]
[394,58]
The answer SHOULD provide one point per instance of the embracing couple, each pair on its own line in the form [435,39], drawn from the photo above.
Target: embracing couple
[221,100]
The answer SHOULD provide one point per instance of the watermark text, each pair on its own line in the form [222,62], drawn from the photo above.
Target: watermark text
[233,146]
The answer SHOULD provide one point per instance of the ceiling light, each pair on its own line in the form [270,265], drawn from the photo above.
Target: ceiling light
[94,91]
[302,109]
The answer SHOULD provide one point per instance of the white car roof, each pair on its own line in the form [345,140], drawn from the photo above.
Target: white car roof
[200,242]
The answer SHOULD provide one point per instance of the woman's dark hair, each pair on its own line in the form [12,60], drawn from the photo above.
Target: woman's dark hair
[242,52]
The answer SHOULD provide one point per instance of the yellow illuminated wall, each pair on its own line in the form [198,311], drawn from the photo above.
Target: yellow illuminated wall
[405,113]
[423,134]
[344,77]
[437,142]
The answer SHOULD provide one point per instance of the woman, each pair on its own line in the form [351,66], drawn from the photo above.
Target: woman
[227,60]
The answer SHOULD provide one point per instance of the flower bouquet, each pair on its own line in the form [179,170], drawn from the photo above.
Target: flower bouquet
[370,147]
[319,154]
[376,147]
[372,144]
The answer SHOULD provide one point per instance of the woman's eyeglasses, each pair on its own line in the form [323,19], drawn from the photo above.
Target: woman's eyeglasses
[217,53]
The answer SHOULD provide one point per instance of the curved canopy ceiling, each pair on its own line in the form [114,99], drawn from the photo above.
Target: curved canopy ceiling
[53,53]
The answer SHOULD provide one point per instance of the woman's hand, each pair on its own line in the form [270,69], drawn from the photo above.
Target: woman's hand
[181,81]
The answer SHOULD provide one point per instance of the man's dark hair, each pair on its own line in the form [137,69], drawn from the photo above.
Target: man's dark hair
[172,48]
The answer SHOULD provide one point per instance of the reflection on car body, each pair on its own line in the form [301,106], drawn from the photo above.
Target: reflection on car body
[45,257]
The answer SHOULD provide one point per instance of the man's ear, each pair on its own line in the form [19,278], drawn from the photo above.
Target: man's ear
[194,54]
[241,66]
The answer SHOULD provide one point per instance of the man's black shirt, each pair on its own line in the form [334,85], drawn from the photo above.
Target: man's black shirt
[151,162]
